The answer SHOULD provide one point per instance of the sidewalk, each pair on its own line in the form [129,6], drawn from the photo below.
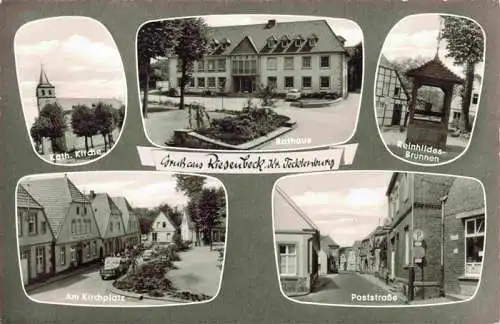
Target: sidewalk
[390,289]
[63,275]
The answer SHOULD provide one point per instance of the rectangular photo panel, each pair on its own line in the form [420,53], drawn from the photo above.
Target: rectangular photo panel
[250,82]
[72,87]
[379,238]
[121,238]
[428,86]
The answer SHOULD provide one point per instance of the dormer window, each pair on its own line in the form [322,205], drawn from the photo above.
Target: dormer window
[285,42]
[298,41]
[312,40]
[271,42]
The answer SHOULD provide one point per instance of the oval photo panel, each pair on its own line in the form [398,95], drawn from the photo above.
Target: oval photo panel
[428,85]
[73,88]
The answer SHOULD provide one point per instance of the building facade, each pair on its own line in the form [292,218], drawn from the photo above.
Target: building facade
[36,241]
[110,223]
[391,97]
[132,235]
[71,219]
[465,234]
[297,241]
[162,230]
[188,229]
[305,55]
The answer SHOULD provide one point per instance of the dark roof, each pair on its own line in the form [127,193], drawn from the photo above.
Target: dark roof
[25,200]
[67,104]
[465,195]
[384,62]
[43,81]
[326,240]
[56,196]
[391,183]
[126,210]
[103,206]
[258,35]
[436,70]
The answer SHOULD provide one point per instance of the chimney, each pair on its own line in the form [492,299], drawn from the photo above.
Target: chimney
[271,23]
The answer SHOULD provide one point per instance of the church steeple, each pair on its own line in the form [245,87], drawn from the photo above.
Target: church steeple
[45,91]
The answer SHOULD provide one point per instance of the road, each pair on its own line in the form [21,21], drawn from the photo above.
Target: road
[340,289]
[86,288]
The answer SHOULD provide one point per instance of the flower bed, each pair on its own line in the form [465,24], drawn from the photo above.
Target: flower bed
[244,126]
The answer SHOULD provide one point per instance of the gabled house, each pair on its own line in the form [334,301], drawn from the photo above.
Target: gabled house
[305,55]
[36,241]
[132,235]
[391,96]
[110,223]
[328,255]
[297,241]
[188,229]
[71,219]
[163,230]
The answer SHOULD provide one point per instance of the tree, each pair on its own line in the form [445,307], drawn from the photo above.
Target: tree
[465,44]
[54,123]
[190,185]
[120,118]
[206,212]
[154,39]
[38,132]
[83,123]
[192,45]
[105,122]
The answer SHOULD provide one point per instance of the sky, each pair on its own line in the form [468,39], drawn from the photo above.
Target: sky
[142,189]
[79,55]
[417,36]
[345,205]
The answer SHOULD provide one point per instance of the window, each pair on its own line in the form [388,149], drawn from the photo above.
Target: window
[191,82]
[211,65]
[271,42]
[407,245]
[201,66]
[324,82]
[62,255]
[168,237]
[25,254]
[406,186]
[221,65]
[272,63]
[201,82]
[396,91]
[118,226]
[155,237]
[21,217]
[90,226]
[306,62]
[72,254]
[396,198]
[474,245]
[79,227]
[157,224]
[221,82]
[40,260]
[211,82]
[44,227]
[288,82]
[306,82]
[244,64]
[111,226]
[288,65]
[32,223]
[298,42]
[50,92]
[272,81]
[475,98]
[325,62]
[288,259]
[43,92]
[73,226]
[78,210]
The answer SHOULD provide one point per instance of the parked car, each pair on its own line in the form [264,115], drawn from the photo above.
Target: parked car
[113,267]
[147,255]
[293,94]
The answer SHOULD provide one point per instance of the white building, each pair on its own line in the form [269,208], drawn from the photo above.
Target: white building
[305,55]
[162,230]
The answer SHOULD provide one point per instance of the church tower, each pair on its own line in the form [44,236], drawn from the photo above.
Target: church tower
[45,91]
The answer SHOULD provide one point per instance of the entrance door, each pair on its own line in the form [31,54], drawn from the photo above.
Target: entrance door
[79,254]
[396,114]
[393,264]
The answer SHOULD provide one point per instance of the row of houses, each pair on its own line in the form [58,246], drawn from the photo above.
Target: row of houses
[60,228]
[306,55]
[392,97]
[435,232]
[164,229]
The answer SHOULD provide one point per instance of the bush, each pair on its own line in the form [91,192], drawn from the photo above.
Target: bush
[156,293]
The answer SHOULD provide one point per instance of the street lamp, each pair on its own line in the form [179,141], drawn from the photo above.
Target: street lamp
[441,286]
